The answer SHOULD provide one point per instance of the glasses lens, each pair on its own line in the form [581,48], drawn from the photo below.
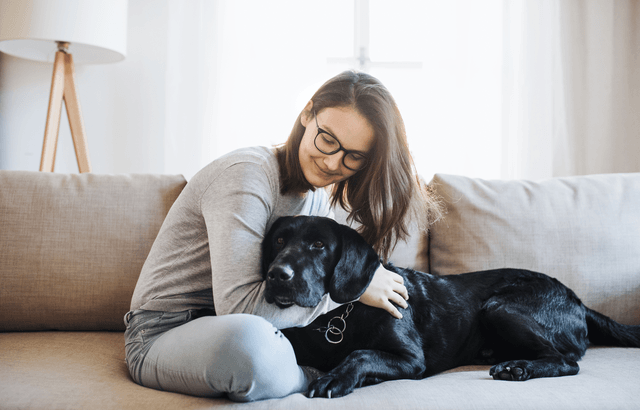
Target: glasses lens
[354,161]
[327,144]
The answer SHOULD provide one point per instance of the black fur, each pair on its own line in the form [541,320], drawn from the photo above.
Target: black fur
[526,324]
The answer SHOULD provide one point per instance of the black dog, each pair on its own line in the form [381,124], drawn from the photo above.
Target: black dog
[528,323]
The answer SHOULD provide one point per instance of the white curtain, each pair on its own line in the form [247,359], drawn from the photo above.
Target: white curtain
[507,89]
[249,67]
[190,84]
[571,87]
[238,73]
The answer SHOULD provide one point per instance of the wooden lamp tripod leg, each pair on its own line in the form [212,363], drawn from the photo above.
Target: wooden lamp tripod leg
[48,159]
[63,87]
[75,116]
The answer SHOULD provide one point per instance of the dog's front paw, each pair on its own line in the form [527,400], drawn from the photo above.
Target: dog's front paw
[331,386]
[513,371]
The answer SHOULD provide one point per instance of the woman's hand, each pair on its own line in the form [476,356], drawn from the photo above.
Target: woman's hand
[386,287]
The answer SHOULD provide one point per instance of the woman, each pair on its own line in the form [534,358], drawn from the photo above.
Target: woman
[199,323]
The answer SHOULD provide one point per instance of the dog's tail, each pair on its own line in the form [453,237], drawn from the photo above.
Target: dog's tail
[605,331]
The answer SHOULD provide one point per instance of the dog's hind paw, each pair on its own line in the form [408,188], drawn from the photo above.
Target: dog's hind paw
[512,371]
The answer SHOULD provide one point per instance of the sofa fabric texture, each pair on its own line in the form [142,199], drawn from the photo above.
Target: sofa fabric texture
[85,370]
[72,246]
[584,231]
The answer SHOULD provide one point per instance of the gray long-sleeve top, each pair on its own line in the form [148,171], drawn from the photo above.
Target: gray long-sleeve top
[207,253]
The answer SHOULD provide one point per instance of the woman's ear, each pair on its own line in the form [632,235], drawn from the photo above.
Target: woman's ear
[307,114]
[355,269]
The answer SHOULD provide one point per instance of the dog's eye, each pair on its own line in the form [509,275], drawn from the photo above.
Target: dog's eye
[279,242]
[318,244]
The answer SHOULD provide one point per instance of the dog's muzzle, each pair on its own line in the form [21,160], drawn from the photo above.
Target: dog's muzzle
[279,288]
[280,273]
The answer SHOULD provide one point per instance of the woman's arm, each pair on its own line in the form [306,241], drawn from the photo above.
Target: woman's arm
[236,209]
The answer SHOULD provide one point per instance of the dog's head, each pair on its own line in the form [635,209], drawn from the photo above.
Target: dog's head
[305,257]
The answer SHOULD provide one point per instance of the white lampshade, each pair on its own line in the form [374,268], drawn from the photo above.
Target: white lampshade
[95,29]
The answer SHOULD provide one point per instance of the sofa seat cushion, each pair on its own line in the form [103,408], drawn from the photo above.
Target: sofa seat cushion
[86,370]
[79,370]
[584,231]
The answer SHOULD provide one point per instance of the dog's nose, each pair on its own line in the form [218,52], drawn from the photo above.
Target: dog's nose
[280,273]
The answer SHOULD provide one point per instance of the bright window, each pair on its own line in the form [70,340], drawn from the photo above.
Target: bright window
[440,59]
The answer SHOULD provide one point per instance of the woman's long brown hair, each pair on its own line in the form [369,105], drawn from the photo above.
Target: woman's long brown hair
[386,196]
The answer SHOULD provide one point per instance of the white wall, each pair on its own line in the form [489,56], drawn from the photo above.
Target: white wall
[123,104]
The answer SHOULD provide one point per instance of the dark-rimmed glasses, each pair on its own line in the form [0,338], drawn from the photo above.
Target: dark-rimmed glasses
[329,145]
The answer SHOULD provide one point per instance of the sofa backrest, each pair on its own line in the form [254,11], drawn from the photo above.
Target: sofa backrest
[584,231]
[72,246]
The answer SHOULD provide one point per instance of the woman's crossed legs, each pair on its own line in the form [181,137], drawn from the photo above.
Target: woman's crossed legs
[241,356]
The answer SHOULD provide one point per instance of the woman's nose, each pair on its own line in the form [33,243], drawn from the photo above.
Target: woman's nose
[334,162]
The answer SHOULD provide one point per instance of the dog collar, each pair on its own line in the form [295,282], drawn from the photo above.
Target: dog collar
[334,331]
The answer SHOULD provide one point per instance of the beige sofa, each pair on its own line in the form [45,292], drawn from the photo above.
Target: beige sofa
[71,247]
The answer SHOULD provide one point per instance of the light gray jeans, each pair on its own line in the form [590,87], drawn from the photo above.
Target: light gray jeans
[239,356]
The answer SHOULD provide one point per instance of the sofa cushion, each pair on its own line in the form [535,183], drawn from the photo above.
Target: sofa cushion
[72,246]
[75,370]
[584,230]
[86,370]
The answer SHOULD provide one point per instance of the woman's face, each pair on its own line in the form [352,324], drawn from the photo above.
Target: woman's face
[350,128]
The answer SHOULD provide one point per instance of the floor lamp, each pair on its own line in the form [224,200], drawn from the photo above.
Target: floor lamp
[64,31]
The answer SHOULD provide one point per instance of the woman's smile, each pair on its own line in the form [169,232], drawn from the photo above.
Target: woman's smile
[354,132]
[326,172]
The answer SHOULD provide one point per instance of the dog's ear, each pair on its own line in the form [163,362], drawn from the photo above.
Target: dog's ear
[267,245]
[354,271]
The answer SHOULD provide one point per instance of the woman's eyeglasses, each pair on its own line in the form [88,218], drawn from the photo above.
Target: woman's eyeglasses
[329,145]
